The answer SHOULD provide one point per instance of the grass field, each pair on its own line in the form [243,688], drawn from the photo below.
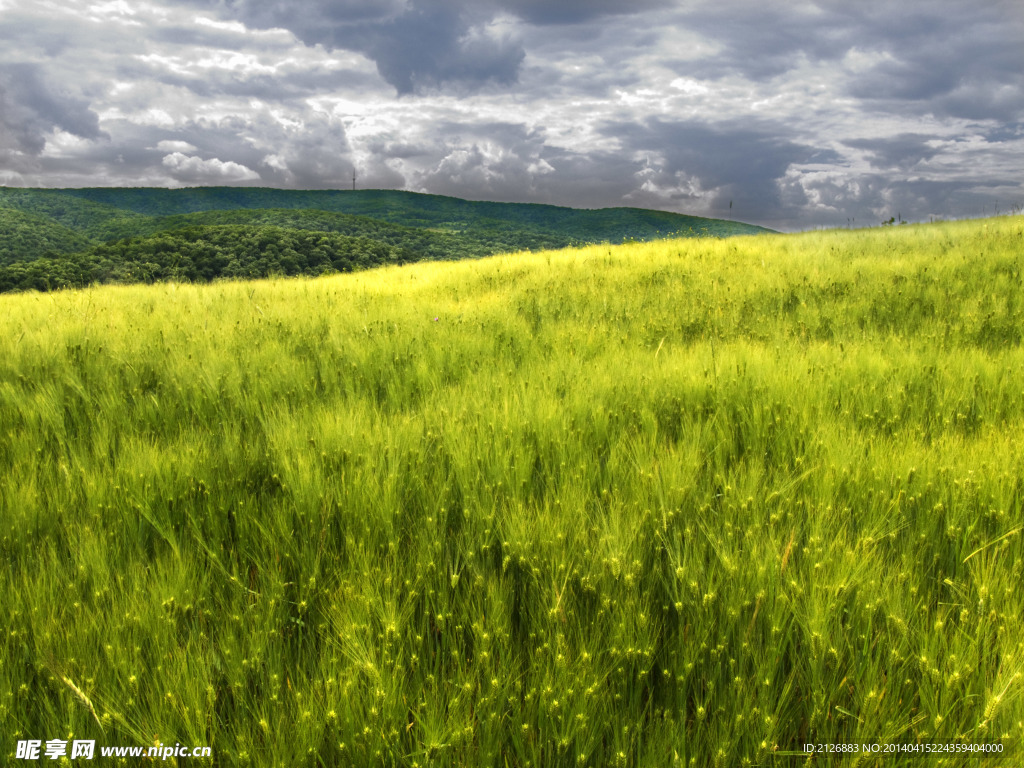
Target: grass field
[693,503]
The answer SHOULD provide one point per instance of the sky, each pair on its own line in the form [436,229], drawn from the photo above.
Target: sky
[792,115]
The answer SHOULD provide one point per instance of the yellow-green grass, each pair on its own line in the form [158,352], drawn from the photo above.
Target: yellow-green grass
[693,502]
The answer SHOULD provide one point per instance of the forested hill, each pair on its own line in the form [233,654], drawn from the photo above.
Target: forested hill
[53,238]
[420,210]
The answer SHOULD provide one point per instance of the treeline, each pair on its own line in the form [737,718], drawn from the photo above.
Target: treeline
[415,209]
[57,238]
[204,254]
[41,254]
[484,239]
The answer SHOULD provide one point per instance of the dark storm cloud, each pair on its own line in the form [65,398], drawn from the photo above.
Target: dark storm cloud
[903,151]
[1004,132]
[574,11]
[23,33]
[955,58]
[416,47]
[739,160]
[763,40]
[425,49]
[422,45]
[802,113]
[973,71]
[31,107]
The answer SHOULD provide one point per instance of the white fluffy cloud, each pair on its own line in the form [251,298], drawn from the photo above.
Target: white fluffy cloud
[195,170]
[169,145]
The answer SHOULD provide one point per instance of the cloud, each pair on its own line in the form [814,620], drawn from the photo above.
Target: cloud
[417,45]
[575,11]
[422,45]
[31,108]
[902,152]
[869,199]
[170,145]
[301,149]
[942,57]
[799,113]
[972,69]
[740,161]
[267,75]
[297,149]
[195,170]
[315,152]
[425,49]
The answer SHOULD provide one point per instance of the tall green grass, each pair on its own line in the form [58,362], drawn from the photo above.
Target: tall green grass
[688,503]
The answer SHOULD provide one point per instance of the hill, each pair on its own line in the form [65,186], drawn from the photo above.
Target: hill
[423,210]
[88,218]
[25,235]
[689,502]
[74,228]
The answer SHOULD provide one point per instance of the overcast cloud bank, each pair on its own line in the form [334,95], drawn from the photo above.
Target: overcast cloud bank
[806,114]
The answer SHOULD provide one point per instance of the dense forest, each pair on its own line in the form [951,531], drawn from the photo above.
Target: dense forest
[204,254]
[65,238]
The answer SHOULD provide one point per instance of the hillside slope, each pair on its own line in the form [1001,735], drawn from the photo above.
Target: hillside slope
[66,241]
[88,218]
[25,235]
[692,502]
[422,210]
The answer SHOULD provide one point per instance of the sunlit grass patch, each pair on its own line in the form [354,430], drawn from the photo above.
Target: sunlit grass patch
[689,502]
